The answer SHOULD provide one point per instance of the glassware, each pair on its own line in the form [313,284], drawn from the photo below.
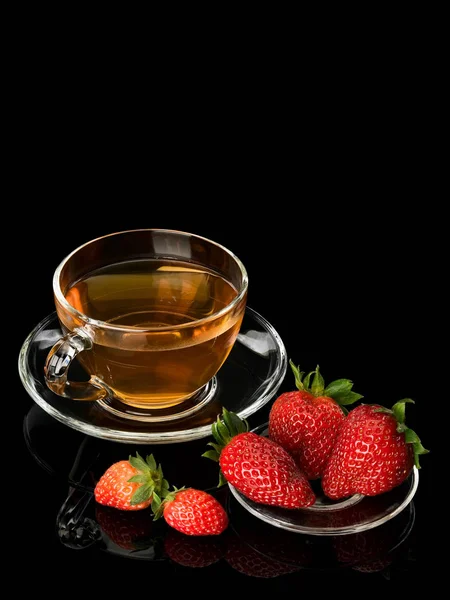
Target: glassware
[151,315]
[249,378]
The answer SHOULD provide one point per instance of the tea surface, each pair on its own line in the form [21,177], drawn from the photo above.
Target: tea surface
[150,293]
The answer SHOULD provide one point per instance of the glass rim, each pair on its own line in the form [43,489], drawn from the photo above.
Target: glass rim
[104,325]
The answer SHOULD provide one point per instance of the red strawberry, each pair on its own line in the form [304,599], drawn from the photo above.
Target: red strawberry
[306,422]
[193,512]
[131,484]
[260,469]
[374,452]
[192,551]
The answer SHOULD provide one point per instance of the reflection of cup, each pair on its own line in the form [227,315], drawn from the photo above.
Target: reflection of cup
[150,314]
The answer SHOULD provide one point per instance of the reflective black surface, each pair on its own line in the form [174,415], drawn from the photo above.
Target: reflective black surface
[249,546]
[348,315]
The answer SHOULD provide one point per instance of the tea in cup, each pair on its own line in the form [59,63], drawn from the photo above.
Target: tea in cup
[150,314]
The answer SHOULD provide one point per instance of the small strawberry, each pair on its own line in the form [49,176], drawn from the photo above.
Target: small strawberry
[131,484]
[374,452]
[259,468]
[192,512]
[306,422]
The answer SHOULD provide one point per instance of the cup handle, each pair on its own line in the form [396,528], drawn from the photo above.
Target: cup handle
[57,366]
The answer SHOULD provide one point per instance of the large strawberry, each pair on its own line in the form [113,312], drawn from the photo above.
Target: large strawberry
[306,422]
[374,452]
[192,512]
[131,484]
[256,466]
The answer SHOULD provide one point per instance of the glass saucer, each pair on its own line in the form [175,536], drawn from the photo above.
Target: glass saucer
[350,515]
[249,378]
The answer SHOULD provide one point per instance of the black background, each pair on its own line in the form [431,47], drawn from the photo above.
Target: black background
[340,281]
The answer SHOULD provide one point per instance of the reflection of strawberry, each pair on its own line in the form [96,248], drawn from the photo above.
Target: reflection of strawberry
[274,543]
[131,484]
[374,452]
[374,546]
[131,531]
[248,561]
[191,551]
[259,468]
[374,566]
[359,548]
[306,422]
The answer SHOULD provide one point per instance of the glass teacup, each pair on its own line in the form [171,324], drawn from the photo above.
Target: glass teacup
[150,314]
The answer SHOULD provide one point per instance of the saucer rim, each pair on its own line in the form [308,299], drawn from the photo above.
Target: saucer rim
[321,531]
[28,379]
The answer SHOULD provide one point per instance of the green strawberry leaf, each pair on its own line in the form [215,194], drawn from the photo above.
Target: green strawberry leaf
[349,398]
[156,499]
[212,454]
[411,437]
[382,409]
[223,430]
[142,494]
[222,480]
[318,383]
[399,409]
[151,462]
[298,375]
[140,478]
[338,388]
[230,423]
[241,425]
[340,391]
[164,487]
[157,507]
[138,463]
[216,447]
[220,432]
[307,380]
[216,434]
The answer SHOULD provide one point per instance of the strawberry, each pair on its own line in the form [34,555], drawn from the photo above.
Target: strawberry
[258,467]
[374,452]
[131,484]
[193,512]
[306,422]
